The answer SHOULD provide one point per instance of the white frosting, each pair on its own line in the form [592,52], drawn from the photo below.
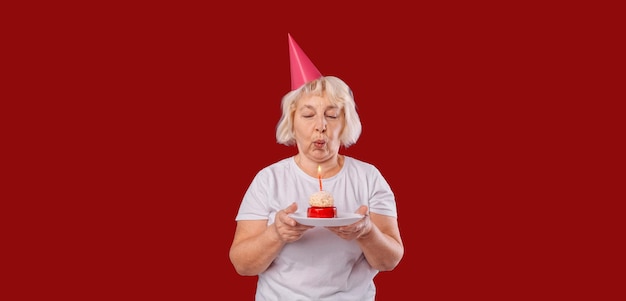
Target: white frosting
[321,199]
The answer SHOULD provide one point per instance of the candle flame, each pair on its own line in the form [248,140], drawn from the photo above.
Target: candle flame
[319,175]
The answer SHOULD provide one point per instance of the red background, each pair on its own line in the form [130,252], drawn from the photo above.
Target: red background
[137,128]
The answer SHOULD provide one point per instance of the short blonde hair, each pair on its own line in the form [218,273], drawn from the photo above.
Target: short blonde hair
[337,92]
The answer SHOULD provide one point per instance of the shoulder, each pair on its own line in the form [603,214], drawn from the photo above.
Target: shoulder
[351,162]
[358,168]
[285,163]
[279,167]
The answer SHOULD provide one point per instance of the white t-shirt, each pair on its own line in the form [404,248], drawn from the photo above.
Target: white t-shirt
[319,266]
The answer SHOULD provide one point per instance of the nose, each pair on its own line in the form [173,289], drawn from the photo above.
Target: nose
[321,125]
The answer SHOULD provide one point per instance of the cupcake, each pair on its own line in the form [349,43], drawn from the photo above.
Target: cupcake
[322,205]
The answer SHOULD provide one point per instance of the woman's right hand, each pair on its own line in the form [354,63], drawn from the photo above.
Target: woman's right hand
[287,228]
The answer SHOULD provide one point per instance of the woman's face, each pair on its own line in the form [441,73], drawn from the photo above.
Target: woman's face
[317,125]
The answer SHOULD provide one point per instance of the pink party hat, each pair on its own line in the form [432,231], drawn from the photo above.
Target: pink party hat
[302,69]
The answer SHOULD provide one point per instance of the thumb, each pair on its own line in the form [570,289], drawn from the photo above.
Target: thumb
[291,208]
[362,210]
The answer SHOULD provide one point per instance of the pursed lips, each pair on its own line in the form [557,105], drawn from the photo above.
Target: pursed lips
[319,143]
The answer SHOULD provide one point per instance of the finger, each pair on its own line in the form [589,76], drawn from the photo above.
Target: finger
[291,208]
[288,220]
[362,210]
[301,227]
[283,219]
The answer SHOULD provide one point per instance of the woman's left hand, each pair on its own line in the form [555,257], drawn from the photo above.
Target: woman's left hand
[357,229]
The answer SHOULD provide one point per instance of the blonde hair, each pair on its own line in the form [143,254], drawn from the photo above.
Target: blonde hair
[337,92]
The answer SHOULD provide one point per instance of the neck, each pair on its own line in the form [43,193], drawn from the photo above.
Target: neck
[329,167]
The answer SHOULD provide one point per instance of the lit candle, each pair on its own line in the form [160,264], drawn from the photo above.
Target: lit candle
[319,175]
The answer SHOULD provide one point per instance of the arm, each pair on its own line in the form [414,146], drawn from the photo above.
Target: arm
[382,244]
[379,238]
[256,244]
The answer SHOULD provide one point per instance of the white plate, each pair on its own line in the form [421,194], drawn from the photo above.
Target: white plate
[340,220]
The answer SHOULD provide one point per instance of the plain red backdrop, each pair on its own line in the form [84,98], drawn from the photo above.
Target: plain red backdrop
[141,125]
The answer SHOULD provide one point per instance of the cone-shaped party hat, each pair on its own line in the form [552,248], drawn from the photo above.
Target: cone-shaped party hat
[302,69]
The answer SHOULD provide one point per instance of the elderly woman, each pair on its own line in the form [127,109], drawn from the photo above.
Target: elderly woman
[297,261]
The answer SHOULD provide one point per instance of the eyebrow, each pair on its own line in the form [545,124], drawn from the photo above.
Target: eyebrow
[325,109]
